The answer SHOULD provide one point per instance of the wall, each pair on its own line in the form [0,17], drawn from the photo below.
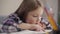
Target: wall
[9,6]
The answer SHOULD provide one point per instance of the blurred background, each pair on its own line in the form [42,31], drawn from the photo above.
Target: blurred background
[59,12]
[9,6]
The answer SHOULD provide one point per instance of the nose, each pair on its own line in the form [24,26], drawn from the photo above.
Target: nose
[38,19]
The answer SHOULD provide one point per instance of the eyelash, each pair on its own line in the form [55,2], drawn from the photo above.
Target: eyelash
[34,16]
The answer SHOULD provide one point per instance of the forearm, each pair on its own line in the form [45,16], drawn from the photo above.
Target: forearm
[24,26]
[6,28]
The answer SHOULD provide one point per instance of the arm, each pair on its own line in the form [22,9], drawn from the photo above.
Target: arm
[8,26]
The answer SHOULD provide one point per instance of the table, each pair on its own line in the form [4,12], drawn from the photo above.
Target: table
[30,32]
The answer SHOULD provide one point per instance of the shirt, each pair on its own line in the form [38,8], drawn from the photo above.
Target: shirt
[10,23]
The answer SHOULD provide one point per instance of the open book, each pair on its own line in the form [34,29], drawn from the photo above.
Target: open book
[33,32]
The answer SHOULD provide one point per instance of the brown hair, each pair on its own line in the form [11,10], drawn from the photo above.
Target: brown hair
[27,6]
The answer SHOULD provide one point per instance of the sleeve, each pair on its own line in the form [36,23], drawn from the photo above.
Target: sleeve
[47,23]
[10,24]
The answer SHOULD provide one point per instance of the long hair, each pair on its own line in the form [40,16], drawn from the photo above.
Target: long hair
[27,6]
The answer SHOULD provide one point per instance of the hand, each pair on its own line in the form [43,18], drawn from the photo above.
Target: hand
[42,25]
[36,27]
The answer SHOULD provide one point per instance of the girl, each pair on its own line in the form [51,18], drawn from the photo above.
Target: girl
[26,17]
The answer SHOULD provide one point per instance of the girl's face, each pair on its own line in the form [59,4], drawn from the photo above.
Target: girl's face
[34,16]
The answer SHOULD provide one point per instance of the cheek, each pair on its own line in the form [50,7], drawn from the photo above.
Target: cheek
[30,20]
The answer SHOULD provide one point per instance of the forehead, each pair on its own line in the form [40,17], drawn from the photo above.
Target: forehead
[38,11]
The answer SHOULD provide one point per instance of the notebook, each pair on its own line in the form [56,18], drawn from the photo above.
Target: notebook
[33,32]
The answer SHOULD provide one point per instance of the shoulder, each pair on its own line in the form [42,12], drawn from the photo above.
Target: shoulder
[11,18]
[44,20]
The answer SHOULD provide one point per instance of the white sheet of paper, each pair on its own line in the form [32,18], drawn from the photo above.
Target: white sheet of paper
[31,32]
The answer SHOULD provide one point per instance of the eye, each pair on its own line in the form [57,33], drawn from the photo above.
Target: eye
[35,16]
